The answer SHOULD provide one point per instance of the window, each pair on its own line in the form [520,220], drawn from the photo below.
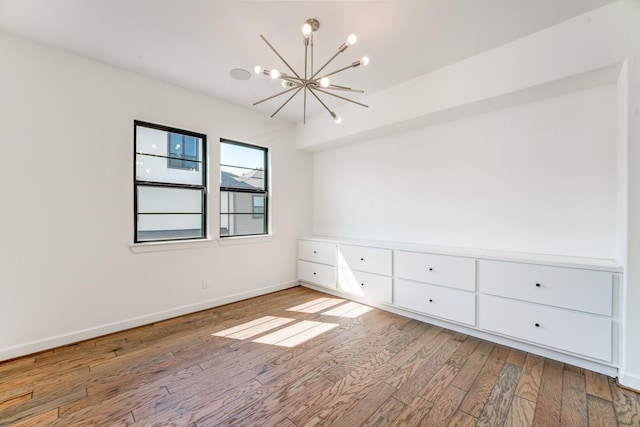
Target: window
[170,184]
[243,189]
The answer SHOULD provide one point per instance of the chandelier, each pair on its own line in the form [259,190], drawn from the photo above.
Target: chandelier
[311,81]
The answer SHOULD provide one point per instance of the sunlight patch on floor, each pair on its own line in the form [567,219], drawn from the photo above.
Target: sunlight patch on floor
[316,305]
[296,334]
[300,331]
[350,310]
[253,328]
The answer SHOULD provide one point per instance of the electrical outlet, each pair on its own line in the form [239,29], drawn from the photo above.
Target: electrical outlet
[205,284]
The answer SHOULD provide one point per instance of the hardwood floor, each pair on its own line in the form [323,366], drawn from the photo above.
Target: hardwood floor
[300,358]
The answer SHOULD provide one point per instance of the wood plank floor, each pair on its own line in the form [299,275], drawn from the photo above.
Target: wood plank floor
[300,358]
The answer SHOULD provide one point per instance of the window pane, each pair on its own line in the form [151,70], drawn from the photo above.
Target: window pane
[231,177]
[151,141]
[155,169]
[190,146]
[183,152]
[175,144]
[232,202]
[242,166]
[163,227]
[183,164]
[169,200]
[242,224]
[258,205]
[242,156]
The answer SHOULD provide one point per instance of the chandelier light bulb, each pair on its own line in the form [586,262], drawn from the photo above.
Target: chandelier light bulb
[258,69]
[365,60]
[306,30]
[324,82]
[352,39]
[337,119]
[274,74]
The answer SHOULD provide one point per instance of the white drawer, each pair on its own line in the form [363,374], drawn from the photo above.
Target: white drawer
[365,284]
[320,274]
[322,252]
[451,304]
[442,270]
[361,258]
[578,333]
[583,290]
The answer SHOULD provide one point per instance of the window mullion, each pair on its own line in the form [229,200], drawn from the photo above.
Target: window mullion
[170,185]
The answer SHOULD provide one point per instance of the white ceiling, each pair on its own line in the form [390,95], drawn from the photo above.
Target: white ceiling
[195,43]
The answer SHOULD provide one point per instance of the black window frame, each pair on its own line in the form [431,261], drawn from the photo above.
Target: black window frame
[255,192]
[142,183]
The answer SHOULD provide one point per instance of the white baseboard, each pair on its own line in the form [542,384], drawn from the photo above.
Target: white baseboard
[84,334]
[629,380]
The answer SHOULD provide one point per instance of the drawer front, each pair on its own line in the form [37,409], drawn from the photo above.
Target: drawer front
[361,258]
[583,290]
[365,284]
[579,333]
[321,252]
[451,304]
[442,270]
[320,274]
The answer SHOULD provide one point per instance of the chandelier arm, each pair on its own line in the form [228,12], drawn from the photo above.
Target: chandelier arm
[341,97]
[343,88]
[279,56]
[325,64]
[320,101]
[341,69]
[276,95]
[285,102]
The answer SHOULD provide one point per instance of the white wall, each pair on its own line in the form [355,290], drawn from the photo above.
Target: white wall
[539,177]
[66,137]
[630,372]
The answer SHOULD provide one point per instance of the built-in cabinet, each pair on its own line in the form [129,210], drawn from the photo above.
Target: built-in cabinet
[317,263]
[436,285]
[559,305]
[565,308]
[365,271]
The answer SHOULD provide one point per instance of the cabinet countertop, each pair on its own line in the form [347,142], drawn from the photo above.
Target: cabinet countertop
[490,254]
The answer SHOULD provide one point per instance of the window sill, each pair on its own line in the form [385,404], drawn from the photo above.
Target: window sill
[169,246]
[243,240]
